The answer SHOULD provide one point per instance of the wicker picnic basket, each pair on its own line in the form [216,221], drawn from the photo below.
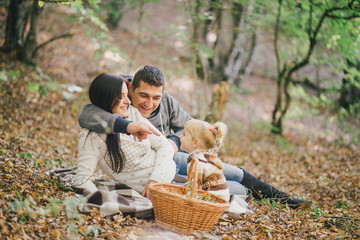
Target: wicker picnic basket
[174,211]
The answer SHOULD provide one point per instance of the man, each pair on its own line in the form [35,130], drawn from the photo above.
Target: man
[146,91]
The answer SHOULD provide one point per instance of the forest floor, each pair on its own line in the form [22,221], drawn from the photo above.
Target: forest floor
[317,159]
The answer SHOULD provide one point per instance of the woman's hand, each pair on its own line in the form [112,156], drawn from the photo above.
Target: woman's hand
[146,192]
[141,130]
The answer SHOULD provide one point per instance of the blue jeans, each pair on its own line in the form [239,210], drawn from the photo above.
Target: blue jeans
[233,174]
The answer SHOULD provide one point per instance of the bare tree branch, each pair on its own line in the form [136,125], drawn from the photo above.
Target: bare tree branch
[343,17]
[58,1]
[310,20]
[312,38]
[285,76]
[307,83]
[315,4]
[51,40]
[276,37]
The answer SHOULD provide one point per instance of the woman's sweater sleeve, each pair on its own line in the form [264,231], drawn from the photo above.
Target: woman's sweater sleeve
[164,168]
[87,160]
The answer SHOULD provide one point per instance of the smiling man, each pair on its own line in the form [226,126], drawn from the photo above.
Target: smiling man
[146,90]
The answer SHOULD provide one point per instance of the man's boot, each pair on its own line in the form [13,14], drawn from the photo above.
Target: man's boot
[261,190]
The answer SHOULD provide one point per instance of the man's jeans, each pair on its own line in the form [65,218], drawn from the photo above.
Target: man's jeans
[233,174]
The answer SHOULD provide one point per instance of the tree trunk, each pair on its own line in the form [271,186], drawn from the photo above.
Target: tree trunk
[237,51]
[199,66]
[30,42]
[246,68]
[283,100]
[228,54]
[115,12]
[276,121]
[218,102]
[16,22]
[350,93]
[215,63]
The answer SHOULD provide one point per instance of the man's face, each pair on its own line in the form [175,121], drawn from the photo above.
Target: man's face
[145,98]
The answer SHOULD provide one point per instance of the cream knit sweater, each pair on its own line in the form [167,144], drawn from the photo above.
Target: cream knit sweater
[150,159]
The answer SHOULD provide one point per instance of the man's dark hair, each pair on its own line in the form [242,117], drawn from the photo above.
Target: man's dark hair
[105,92]
[149,74]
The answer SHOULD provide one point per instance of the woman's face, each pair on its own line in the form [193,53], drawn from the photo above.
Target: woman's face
[122,105]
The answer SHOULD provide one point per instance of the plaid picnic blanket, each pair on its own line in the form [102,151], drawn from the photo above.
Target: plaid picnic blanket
[113,197]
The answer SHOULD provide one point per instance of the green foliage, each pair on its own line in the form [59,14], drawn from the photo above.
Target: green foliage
[342,37]
[91,13]
[298,18]
[204,196]
[42,88]
[320,180]
[300,95]
[61,186]
[92,231]
[23,208]
[40,163]
[73,228]
[71,209]
[274,203]
[316,212]
[30,210]
[54,207]
[9,74]
[352,76]
[314,105]
[59,2]
[60,162]
[43,163]
[350,132]
[342,205]
[43,85]
[301,27]
[27,156]
[283,143]
[70,19]
[204,50]
[264,126]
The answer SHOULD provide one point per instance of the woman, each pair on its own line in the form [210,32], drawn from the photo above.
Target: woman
[122,157]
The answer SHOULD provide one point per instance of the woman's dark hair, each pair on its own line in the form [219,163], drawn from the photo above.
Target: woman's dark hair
[105,92]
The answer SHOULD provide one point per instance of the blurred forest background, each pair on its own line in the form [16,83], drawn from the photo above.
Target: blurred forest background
[283,74]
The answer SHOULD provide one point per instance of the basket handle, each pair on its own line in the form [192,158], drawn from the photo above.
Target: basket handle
[194,161]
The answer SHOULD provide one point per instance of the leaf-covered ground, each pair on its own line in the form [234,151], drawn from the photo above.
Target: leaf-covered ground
[318,158]
[39,132]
